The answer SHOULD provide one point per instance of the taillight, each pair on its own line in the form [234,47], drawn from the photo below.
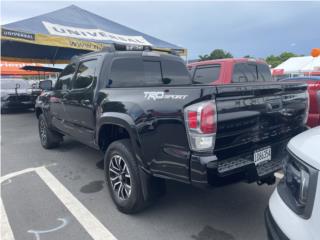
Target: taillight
[201,124]
[318,99]
[192,119]
[207,122]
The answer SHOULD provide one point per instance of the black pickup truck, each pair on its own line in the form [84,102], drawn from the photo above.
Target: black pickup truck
[140,108]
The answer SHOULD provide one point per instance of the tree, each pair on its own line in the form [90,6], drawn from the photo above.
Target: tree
[277,60]
[216,54]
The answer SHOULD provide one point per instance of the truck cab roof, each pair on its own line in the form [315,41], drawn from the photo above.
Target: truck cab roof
[121,50]
[226,60]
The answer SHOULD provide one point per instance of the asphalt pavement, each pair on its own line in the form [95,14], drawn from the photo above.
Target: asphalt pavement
[60,194]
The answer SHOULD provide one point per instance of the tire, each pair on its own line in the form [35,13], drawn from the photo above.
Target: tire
[123,177]
[48,138]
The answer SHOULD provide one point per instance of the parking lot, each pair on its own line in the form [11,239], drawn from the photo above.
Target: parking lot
[60,194]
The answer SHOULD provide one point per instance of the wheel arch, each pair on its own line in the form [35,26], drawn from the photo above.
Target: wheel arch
[118,126]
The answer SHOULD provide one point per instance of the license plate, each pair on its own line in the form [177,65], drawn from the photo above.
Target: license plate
[262,155]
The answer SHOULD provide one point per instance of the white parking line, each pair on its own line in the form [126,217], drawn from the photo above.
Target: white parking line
[27,170]
[89,222]
[14,174]
[6,231]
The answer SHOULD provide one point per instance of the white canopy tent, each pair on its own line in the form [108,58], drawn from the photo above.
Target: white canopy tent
[298,66]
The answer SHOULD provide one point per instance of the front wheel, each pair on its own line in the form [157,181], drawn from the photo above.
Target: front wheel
[48,138]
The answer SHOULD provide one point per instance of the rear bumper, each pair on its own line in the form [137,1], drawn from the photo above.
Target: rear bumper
[210,171]
[273,230]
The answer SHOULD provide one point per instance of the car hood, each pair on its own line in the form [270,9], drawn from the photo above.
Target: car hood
[306,146]
[6,92]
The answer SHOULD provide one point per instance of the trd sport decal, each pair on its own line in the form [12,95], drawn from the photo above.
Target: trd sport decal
[162,95]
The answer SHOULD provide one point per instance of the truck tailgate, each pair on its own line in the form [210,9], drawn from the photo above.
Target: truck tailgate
[256,114]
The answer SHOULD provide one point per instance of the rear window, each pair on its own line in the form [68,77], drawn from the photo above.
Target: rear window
[206,74]
[175,73]
[264,72]
[152,73]
[251,72]
[135,72]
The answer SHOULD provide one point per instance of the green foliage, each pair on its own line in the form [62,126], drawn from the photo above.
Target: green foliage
[216,54]
[277,60]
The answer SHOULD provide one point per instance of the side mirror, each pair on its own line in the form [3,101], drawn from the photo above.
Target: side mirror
[45,85]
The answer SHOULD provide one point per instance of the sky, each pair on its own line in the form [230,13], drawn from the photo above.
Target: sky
[242,28]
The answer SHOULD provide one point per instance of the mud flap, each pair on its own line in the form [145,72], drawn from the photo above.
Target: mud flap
[152,187]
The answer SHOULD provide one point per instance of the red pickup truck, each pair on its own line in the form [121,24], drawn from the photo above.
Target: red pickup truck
[229,70]
[314,96]
[238,70]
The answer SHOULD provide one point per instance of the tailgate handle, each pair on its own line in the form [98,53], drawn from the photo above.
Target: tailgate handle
[273,105]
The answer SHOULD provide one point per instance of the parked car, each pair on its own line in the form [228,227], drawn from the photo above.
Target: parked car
[229,70]
[314,96]
[16,94]
[141,109]
[294,207]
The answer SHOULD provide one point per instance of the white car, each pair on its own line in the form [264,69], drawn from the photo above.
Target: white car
[294,207]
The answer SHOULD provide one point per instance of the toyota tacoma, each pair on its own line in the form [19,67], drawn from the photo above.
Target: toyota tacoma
[139,107]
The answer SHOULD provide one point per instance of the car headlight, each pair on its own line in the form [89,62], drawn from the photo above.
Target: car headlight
[297,188]
[297,179]
[4,97]
[305,119]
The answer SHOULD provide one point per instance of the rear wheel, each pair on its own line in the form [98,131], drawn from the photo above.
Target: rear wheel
[48,138]
[131,189]
[122,177]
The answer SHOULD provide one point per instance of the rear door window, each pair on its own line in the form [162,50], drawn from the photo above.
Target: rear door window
[206,74]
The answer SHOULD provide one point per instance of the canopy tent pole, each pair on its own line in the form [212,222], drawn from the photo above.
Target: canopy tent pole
[54,56]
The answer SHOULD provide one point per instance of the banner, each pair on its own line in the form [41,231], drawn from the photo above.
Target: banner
[93,34]
[48,40]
